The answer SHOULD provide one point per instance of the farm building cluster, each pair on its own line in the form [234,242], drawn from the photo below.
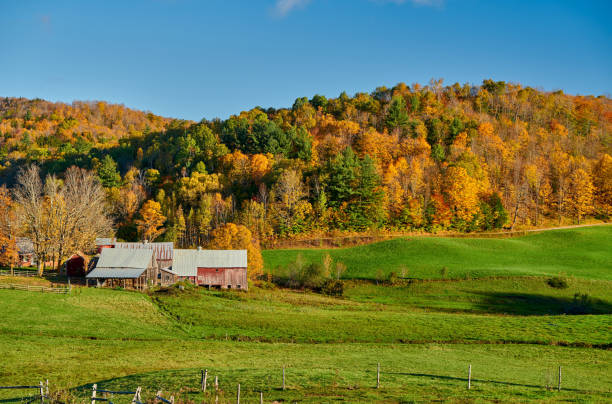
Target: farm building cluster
[142,265]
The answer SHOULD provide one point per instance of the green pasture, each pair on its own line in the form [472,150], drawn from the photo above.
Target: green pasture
[515,331]
[582,252]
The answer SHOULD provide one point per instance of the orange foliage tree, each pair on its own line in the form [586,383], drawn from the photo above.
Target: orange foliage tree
[8,248]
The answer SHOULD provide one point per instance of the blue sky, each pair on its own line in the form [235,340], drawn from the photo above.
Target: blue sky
[199,59]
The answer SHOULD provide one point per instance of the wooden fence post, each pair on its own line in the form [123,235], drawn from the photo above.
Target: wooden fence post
[47,387]
[378,376]
[42,392]
[136,395]
[283,378]
[216,383]
[172,399]
[261,397]
[559,385]
[470,377]
[204,379]
[238,395]
[93,393]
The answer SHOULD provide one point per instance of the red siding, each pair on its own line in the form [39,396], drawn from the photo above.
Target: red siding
[234,278]
[75,266]
[100,247]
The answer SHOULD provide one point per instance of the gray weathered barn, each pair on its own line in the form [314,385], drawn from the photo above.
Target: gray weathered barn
[129,267]
[163,250]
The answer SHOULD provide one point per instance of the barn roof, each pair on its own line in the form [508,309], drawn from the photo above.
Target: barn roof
[124,258]
[105,241]
[186,262]
[121,273]
[163,251]
[121,263]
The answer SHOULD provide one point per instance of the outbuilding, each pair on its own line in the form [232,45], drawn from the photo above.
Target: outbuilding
[225,269]
[25,249]
[76,265]
[134,268]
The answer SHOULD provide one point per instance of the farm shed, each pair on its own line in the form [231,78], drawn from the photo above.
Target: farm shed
[25,250]
[76,265]
[135,268]
[167,276]
[226,269]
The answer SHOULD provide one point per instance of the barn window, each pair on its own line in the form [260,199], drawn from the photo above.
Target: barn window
[216,270]
[238,286]
[229,286]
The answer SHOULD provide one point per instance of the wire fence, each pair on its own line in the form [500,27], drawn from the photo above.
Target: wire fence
[208,389]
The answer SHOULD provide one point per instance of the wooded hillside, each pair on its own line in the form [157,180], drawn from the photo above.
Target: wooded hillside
[432,157]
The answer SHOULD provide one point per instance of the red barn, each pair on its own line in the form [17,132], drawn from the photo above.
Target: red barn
[225,269]
[76,266]
[223,277]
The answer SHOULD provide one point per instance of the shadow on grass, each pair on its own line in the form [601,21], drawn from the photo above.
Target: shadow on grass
[527,304]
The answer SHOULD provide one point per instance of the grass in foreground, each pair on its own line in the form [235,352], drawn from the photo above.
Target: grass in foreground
[581,252]
[315,373]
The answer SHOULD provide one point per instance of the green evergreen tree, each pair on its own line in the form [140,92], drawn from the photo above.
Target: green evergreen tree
[354,186]
[397,116]
[107,172]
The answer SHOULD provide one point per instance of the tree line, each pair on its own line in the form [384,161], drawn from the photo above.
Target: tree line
[418,158]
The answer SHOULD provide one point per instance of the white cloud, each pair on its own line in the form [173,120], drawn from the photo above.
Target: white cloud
[283,7]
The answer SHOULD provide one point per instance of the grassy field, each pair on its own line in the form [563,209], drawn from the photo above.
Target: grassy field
[581,252]
[514,330]
[284,316]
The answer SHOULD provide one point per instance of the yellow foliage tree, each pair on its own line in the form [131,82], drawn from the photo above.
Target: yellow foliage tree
[461,192]
[602,180]
[237,237]
[581,194]
[260,166]
[150,226]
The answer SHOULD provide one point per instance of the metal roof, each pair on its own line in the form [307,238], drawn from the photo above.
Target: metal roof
[186,262]
[124,258]
[121,273]
[24,245]
[163,251]
[169,270]
[105,241]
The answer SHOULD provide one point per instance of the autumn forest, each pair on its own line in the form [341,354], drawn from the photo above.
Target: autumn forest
[428,158]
